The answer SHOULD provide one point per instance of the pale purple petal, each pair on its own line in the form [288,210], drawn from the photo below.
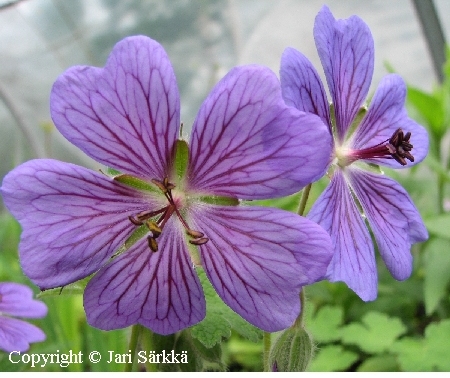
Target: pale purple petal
[247,143]
[301,85]
[17,300]
[73,219]
[386,114]
[159,290]
[17,335]
[127,115]
[258,259]
[354,259]
[395,221]
[346,50]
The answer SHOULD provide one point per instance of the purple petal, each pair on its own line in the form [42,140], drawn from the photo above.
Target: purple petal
[127,115]
[301,85]
[354,259]
[247,143]
[16,335]
[395,221]
[346,51]
[159,290]
[386,114]
[17,300]
[73,219]
[258,259]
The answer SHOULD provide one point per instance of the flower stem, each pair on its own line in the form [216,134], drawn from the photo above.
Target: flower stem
[304,199]
[300,318]
[148,342]
[135,331]
[267,342]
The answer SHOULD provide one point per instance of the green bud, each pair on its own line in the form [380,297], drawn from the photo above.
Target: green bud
[292,351]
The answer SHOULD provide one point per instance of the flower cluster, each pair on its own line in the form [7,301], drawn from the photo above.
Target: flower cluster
[173,206]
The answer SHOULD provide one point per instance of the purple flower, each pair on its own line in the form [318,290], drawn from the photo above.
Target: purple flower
[246,143]
[384,136]
[17,300]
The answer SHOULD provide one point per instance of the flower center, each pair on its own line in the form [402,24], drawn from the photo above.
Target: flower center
[155,220]
[396,147]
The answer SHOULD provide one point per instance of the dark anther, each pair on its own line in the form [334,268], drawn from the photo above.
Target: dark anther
[152,244]
[195,234]
[199,241]
[399,147]
[155,220]
[154,228]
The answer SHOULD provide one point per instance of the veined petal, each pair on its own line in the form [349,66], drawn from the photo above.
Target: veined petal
[17,300]
[126,115]
[247,143]
[354,259]
[346,50]
[395,221]
[386,114]
[301,85]
[73,219]
[17,335]
[258,259]
[159,290]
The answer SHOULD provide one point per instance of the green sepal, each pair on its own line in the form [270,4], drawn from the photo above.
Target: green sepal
[220,319]
[74,288]
[292,351]
[136,183]
[181,158]
[218,200]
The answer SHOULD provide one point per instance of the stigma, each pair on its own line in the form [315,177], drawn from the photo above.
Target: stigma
[397,147]
[155,220]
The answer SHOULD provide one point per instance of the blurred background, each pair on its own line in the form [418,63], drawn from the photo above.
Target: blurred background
[39,39]
[407,327]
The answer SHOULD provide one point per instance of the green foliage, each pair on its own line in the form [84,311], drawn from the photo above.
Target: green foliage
[425,354]
[376,333]
[325,325]
[437,268]
[220,319]
[333,358]
[439,225]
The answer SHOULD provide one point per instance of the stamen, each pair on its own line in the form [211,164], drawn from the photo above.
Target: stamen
[156,227]
[199,241]
[195,234]
[396,147]
[152,244]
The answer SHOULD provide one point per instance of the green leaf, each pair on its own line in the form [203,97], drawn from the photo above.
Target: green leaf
[437,265]
[384,362]
[430,107]
[333,358]
[439,225]
[376,334]
[324,326]
[220,319]
[427,354]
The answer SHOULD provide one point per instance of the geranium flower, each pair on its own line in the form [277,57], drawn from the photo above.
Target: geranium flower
[384,136]
[246,143]
[17,300]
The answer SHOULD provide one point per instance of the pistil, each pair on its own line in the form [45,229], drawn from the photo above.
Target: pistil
[156,227]
[397,147]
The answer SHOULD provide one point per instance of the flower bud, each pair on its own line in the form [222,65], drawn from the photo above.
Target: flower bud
[292,351]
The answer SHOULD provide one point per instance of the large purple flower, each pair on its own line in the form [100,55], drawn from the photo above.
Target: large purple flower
[17,300]
[384,136]
[246,143]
